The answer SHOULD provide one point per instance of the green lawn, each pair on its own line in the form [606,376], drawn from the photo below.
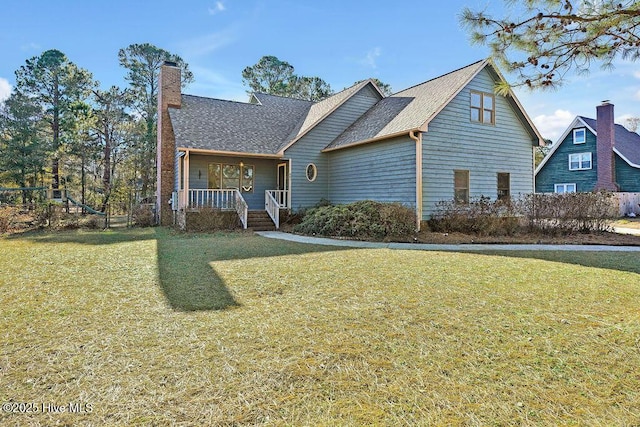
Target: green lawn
[154,328]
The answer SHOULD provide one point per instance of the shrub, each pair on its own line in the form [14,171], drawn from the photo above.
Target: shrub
[482,216]
[210,219]
[570,212]
[143,215]
[547,213]
[47,214]
[362,220]
[7,218]
[69,221]
[93,222]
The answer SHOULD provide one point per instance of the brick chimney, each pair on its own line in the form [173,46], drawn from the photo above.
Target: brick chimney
[168,96]
[605,141]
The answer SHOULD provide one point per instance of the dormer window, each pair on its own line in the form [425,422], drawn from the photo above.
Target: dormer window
[483,108]
[579,136]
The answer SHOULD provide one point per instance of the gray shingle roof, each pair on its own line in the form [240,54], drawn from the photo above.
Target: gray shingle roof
[627,143]
[215,124]
[269,123]
[408,109]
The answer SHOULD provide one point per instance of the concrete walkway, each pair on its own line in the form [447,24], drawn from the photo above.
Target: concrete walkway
[433,247]
[622,230]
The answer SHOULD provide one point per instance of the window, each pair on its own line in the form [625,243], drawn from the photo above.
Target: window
[565,188]
[504,186]
[215,175]
[461,187]
[231,176]
[312,172]
[579,161]
[579,136]
[483,108]
[247,178]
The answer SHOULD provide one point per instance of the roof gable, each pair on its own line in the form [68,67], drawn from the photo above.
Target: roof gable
[414,108]
[322,109]
[627,143]
[431,97]
[578,122]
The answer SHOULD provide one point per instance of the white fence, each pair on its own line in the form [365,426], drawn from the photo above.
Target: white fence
[629,203]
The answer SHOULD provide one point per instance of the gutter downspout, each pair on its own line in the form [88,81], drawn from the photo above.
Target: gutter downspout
[418,139]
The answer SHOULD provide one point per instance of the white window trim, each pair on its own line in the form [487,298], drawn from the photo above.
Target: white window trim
[580,167]
[315,172]
[584,131]
[555,188]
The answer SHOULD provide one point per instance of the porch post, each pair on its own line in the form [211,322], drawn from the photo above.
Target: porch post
[289,187]
[186,179]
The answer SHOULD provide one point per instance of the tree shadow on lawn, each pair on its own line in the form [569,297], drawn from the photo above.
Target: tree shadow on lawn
[187,278]
[620,261]
[85,236]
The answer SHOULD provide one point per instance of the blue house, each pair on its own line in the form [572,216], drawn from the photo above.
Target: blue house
[451,137]
[592,155]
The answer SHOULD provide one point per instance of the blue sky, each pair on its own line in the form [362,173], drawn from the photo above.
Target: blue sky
[401,43]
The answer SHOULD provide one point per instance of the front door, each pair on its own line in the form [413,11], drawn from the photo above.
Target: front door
[282,195]
[282,177]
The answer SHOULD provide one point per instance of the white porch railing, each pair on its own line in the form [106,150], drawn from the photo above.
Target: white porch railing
[272,207]
[280,196]
[242,209]
[274,200]
[225,199]
[218,199]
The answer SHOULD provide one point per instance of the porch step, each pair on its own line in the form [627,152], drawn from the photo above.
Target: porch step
[260,221]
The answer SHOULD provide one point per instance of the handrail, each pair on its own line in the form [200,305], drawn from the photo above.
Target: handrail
[272,207]
[282,197]
[242,209]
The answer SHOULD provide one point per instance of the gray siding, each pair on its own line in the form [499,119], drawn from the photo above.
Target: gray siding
[382,171]
[556,169]
[454,142]
[265,175]
[308,149]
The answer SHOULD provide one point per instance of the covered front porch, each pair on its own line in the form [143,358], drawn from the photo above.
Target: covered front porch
[232,183]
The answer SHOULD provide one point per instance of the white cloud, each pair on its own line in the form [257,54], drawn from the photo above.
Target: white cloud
[636,74]
[206,44]
[213,84]
[624,119]
[371,57]
[219,7]
[636,96]
[552,126]
[5,89]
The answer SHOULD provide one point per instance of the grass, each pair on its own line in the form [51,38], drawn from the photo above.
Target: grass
[155,328]
[633,223]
